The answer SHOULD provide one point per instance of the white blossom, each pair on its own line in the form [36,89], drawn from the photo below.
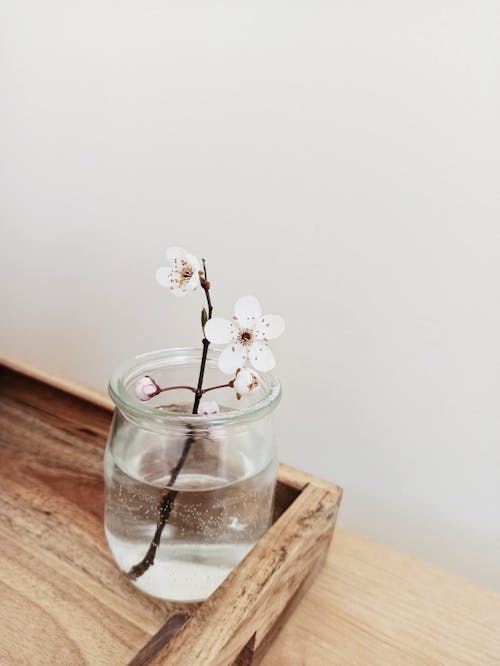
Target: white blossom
[247,334]
[181,274]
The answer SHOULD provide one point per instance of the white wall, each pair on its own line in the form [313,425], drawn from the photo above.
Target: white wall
[338,159]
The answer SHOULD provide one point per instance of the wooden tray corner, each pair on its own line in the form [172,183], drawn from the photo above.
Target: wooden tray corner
[62,592]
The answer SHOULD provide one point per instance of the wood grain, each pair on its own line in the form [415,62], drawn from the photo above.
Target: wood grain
[60,590]
[56,381]
[56,571]
[372,605]
[369,606]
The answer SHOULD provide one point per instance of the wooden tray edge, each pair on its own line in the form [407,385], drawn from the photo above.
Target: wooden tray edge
[286,571]
[57,381]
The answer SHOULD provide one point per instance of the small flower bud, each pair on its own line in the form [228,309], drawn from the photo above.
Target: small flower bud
[207,407]
[145,388]
[245,382]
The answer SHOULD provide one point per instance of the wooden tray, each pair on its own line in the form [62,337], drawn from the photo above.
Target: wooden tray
[64,601]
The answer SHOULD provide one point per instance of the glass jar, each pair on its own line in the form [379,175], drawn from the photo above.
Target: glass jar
[179,539]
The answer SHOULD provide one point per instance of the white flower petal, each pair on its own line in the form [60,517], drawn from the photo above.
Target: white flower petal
[247,309]
[194,262]
[180,292]
[193,283]
[269,327]
[261,357]
[163,276]
[175,253]
[244,323]
[232,358]
[219,331]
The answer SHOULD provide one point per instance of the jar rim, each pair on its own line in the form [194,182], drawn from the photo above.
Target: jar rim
[143,363]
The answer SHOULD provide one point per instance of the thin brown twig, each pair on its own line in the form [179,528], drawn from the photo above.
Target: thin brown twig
[172,388]
[169,494]
[193,389]
[220,386]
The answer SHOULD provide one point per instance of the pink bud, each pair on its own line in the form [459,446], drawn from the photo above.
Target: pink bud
[207,407]
[145,388]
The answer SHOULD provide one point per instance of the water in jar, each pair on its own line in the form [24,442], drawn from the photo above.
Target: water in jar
[222,507]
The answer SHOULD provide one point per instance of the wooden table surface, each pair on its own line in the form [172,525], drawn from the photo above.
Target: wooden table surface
[374,606]
[370,605]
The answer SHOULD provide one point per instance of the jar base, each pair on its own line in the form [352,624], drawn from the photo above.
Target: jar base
[183,573]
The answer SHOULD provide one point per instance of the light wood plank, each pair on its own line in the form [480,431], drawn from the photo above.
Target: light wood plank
[372,605]
[63,600]
[29,369]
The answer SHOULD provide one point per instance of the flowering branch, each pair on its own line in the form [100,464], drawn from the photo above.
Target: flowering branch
[247,335]
[245,381]
[168,497]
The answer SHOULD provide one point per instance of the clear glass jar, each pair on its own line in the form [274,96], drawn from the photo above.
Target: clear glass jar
[221,501]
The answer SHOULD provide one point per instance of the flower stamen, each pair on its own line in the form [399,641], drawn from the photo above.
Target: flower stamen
[185,274]
[245,337]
